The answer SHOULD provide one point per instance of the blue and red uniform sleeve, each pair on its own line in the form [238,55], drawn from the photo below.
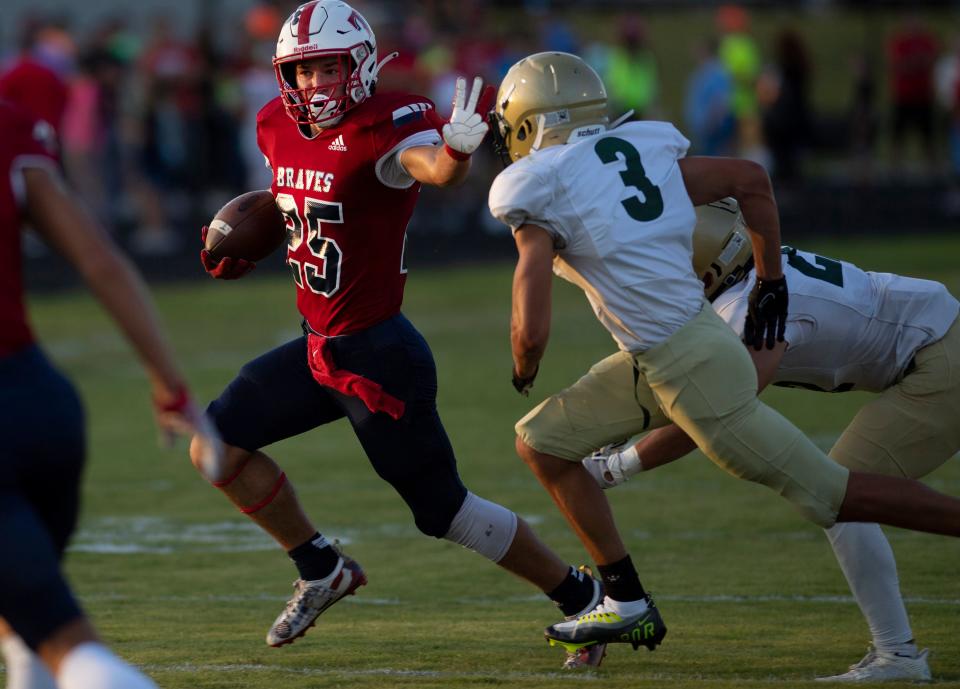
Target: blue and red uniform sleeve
[398,119]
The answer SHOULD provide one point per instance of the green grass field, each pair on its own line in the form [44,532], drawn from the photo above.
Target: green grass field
[182,585]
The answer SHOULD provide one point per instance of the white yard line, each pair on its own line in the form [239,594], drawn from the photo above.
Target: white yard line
[584,676]
[579,676]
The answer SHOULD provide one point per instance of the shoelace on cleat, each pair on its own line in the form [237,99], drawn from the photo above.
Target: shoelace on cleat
[600,616]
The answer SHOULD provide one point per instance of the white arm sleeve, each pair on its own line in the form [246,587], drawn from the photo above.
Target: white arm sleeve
[390,170]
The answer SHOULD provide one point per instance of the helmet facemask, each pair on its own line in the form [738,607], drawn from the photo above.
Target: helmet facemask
[499,131]
[326,29]
[324,105]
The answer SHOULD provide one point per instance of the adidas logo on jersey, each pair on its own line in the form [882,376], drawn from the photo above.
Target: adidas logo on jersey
[337,144]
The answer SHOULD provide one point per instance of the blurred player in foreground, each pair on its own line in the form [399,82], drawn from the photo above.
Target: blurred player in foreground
[847,330]
[46,640]
[347,165]
[611,209]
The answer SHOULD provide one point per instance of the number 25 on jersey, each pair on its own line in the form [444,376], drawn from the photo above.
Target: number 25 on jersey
[323,275]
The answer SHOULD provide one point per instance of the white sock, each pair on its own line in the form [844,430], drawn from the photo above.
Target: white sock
[867,562]
[625,608]
[25,670]
[93,666]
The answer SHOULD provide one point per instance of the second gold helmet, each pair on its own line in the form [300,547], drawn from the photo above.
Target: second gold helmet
[721,248]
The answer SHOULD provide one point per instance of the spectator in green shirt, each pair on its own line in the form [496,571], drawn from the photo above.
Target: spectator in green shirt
[632,72]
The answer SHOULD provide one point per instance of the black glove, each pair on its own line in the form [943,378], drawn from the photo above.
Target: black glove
[766,313]
[523,385]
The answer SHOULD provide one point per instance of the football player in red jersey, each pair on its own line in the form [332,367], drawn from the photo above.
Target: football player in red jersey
[47,641]
[347,168]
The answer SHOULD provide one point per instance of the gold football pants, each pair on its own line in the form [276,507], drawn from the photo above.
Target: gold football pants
[702,379]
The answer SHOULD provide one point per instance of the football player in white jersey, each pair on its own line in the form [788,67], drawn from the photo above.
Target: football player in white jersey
[847,330]
[611,209]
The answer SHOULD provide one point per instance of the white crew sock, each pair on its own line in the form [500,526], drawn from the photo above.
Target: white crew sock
[25,670]
[93,666]
[867,562]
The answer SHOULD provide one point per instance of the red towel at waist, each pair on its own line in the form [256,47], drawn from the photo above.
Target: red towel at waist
[326,373]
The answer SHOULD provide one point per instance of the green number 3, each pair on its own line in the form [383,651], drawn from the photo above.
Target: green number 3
[609,149]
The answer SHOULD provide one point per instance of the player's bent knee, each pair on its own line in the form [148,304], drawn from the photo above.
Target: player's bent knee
[524,451]
[546,430]
[811,509]
[434,514]
[528,449]
[526,430]
[252,480]
[432,524]
[197,453]
[484,527]
[235,460]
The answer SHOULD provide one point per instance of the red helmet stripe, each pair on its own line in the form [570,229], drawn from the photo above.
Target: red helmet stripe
[303,27]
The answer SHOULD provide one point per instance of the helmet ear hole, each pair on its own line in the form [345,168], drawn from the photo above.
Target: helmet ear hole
[524,130]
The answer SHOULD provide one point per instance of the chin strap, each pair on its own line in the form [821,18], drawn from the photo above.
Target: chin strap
[623,118]
[382,63]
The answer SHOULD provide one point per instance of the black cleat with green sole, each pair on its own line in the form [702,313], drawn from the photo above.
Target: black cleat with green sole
[603,626]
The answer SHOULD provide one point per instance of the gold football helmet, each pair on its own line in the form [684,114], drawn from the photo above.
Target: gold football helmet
[722,252]
[544,100]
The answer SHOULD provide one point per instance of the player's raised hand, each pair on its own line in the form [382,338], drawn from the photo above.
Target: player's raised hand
[177,415]
[464,131]
[226,268]
[766,313]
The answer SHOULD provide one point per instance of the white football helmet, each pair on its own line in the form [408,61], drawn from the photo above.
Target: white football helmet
[722,252]
[324,28]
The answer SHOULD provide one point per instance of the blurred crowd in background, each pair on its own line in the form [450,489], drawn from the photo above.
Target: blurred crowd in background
[158,125]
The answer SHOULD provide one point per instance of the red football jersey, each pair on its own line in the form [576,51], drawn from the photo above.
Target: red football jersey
[346,216]
[26,142]
[36,88]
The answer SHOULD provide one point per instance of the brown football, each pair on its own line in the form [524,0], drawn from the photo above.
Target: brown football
[249,227]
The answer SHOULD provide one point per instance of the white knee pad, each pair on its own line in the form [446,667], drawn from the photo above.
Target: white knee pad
[92,666]
[25,670]
[484,527]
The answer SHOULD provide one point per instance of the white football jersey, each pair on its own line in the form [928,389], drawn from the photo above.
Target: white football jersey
[622,223]
[848,329]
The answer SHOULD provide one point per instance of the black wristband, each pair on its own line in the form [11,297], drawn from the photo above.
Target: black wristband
[523,385]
